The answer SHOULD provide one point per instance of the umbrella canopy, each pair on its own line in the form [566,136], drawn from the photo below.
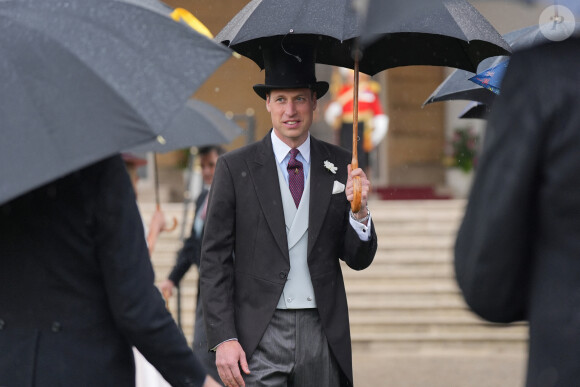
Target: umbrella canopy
[572,5]
[82,80]
[200,124]
[448,33]
[457,85]
[491,78]
[475,110]
[451,33]
[153,5]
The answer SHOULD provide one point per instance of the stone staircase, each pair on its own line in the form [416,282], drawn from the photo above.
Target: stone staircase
[406,301]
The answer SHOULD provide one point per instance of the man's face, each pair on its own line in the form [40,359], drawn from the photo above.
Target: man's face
[207,163]
[292,111]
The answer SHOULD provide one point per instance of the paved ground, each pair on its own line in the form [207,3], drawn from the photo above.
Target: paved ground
[454,369]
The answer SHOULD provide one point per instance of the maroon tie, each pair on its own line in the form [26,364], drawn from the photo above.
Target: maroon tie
[295,177]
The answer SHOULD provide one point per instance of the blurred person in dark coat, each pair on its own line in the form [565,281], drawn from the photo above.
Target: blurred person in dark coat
[190,255]
[76,288]
[517,255]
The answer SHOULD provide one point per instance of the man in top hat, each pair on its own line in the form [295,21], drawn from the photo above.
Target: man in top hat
[278,224]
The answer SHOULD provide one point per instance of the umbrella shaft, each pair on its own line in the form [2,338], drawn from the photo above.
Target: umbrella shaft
[357,191]
[355,115]
[156,180]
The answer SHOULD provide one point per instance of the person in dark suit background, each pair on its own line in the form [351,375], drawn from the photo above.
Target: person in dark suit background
[517,255]
[278,224]
[190,255]
[77,291]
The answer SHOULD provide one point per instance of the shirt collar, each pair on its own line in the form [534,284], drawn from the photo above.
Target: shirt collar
[281,149]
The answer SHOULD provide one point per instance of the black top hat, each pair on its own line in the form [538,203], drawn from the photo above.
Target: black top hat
[290,67]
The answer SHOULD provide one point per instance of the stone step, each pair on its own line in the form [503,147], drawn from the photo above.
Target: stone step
[415,242]
[495,342]
[416,316]
[412,255]
[406,301]
[389,288]
[430,228]
[387,272]
[424,215]
[439,349]
[516,332]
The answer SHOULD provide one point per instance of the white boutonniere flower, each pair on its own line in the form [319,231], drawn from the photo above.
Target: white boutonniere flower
[330,166]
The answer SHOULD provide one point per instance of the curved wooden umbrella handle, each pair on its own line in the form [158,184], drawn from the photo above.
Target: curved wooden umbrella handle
[357,188]
[166,299]
[173,226]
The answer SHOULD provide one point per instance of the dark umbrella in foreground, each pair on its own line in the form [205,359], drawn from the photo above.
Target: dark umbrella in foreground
[450,33]
[198,124]
[80,81]
[572,5]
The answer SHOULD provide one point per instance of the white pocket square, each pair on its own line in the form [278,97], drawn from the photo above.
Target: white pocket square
[338,187]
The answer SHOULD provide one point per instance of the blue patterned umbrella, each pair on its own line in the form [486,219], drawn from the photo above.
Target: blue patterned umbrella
[492,77]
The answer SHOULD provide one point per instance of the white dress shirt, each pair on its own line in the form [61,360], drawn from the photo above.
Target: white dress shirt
[282,155]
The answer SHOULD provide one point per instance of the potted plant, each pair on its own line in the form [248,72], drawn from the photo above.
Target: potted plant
[461,159]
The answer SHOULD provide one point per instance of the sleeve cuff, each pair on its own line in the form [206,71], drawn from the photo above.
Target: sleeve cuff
[363,231]
[215,348]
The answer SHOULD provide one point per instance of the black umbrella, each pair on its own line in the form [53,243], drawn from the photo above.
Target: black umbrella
[446,33]
[200,124]
[457,86]
[81,80]
[452,33]
[436,32]
[475,110]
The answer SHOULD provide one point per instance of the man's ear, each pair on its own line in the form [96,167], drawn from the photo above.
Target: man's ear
[314,100]
[268,102]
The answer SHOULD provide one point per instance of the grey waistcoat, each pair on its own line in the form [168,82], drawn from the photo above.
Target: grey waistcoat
[298,292]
